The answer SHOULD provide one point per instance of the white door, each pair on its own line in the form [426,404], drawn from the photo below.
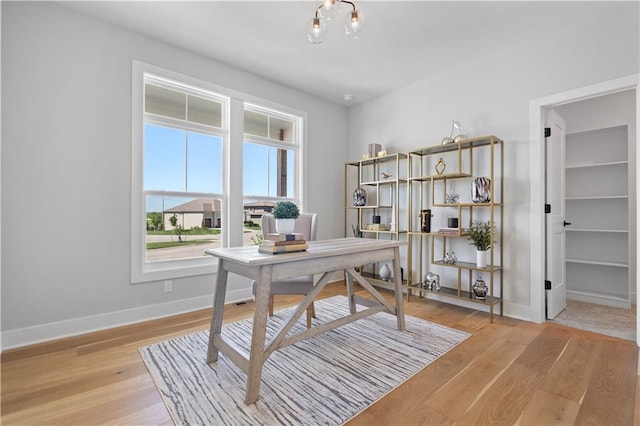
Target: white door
[555,220]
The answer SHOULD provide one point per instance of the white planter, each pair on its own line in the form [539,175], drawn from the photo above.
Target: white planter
[285,226]
[481,258]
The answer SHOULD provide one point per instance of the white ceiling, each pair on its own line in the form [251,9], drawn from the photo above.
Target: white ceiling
[402,42]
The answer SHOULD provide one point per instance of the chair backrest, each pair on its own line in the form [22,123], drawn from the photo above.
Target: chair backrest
[306,224]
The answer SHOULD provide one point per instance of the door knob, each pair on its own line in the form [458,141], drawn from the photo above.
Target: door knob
[565,223]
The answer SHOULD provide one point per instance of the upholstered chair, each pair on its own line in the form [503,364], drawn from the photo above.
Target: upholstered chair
[306,224]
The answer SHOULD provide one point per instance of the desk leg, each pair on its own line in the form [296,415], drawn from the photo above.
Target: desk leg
[256,356]
[218,310]
[350,293]
[397,280]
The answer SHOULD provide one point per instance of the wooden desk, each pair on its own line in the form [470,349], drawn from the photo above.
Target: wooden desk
[322,257]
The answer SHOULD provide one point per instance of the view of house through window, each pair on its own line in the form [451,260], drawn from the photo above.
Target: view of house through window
[184,137]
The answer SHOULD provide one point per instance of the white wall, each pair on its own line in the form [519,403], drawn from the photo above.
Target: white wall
[491,96]
[66,171]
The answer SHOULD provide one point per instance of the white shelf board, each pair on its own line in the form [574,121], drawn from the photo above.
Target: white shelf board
[591,165]
[611,231]
[598,197]
[598,262]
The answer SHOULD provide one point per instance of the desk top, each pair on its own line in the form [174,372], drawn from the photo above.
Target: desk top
[250,256]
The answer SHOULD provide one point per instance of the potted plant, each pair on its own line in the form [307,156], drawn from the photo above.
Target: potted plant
[480,235]
[285,213]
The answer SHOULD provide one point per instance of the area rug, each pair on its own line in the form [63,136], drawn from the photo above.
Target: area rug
[324,380]
[615,322]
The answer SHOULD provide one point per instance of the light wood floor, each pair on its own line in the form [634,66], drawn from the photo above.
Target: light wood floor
[508,372]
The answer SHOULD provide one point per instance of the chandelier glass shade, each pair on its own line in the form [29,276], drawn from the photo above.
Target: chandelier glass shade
[317,28]
[329,9]
[353,24]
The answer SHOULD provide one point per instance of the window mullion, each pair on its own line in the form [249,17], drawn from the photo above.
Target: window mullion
[186,161]
[183,125]
[270,142]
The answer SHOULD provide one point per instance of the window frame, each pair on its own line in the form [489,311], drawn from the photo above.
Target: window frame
[141,270]
[296,146]
[232,200]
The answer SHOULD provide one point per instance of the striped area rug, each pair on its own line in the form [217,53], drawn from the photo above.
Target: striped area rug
[324,380]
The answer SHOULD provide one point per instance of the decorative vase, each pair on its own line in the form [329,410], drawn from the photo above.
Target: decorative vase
[481,258]
[285,226]
[481,190]
[480,288]
[359,197]
[385,272]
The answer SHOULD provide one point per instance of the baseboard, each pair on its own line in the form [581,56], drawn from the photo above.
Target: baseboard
[26,336]
[516,311]
[599,299]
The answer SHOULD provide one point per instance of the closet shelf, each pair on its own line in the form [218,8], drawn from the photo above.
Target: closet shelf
[610,231]
[597,197]
[594,165]
[598,262]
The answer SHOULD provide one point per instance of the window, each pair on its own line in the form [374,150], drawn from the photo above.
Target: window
[177,177]
[271,163]
[193,143]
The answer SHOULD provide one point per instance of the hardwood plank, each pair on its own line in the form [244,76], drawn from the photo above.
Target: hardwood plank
[505,400]
[611,385]
[549,409]
[41,386]
[462,391]
[569,376]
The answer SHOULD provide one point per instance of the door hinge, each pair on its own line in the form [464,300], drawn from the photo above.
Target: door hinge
[547,208]
[547,285]
[547,132]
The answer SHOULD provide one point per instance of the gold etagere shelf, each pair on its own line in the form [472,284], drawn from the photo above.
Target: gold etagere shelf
[382,177]
[422,178]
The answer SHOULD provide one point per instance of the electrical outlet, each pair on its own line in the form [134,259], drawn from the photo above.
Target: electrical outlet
[168,286]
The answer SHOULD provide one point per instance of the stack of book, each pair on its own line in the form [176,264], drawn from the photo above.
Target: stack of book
[378,227]
[283,243]
[449,231]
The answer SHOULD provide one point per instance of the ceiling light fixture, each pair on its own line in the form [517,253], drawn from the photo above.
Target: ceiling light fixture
[317,28]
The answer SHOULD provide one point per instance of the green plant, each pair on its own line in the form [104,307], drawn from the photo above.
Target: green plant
[177,228]
[155,220]
[286,210]
[179,231]
[480,235]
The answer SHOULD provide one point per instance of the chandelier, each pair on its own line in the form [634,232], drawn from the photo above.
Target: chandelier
[317,27]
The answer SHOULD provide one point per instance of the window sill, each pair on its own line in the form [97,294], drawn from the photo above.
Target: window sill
[158,271]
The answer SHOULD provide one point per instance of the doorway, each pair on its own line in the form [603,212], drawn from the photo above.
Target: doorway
[537,111]
[597,214]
